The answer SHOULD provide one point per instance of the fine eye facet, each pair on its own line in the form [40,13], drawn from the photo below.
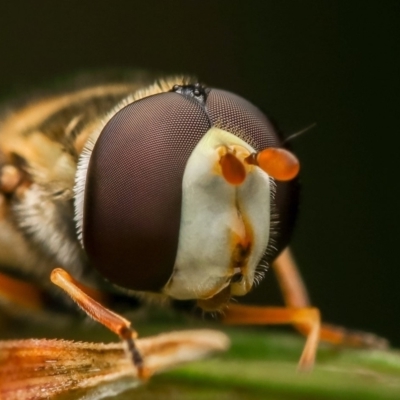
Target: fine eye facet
[134,188]
[132,210]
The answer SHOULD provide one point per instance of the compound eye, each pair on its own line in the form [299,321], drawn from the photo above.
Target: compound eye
[132,204]
[237,115]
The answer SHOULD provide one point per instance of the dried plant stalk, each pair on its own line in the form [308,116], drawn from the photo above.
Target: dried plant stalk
[53,369]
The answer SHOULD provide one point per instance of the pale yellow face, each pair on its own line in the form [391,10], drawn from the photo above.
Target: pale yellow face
[225,223]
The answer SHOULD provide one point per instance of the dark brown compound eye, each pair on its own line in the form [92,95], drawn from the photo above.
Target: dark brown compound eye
[233,113]
[132,205]
[133,191]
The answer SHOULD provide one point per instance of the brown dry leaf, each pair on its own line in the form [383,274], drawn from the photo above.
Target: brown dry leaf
[52,369]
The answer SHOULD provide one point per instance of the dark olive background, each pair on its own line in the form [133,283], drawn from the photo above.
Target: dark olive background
[335,63]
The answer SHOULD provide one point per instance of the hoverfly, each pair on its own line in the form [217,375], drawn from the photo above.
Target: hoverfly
[148,188]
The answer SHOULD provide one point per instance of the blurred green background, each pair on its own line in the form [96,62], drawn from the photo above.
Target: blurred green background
[335,63]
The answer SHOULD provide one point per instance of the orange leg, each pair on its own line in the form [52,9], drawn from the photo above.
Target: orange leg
[10,178]
[295,296]
[22,294]
[299,313]
[308,318]
[114,322]
[290,282]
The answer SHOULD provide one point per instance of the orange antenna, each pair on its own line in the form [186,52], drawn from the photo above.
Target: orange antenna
[278,163]
[232,169]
